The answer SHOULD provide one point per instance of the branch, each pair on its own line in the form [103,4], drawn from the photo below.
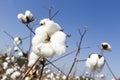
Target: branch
[30,68]
[77,53]
[108,66]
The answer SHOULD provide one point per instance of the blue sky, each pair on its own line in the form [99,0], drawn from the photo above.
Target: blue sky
[102,17]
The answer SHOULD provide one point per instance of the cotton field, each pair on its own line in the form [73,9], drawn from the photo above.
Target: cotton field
[48,40]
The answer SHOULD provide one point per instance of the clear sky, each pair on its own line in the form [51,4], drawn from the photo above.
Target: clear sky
[102,17]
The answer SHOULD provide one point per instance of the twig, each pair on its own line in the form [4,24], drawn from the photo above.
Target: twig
[77,53]
[67,55]
[108,66]
[81,60]
[55,14]
[43,65]
[49,12]
[30,28]
[56,67]
[62,57]
[30,68]
[9,35]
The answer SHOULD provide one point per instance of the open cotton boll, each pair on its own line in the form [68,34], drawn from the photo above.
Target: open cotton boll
[17,41]
[58,48]
[22,18]
[45,50]
[36,50]
[50,26]
[5,65]
[39,38]
[15,75]
[16,48]
[9,71]
[29,16]
[40,30]
[106,46]
[58,42]
[32,59]
[4,77]
[20,54]
[58,37]
[95,62]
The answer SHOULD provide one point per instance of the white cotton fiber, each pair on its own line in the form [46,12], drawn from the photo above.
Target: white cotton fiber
[58,42]
[32,59]
[46,50]
[39,38]
[29,15]
[50,26]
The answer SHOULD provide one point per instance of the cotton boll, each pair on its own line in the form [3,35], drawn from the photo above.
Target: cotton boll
[106,46]
[15,75]
[22,18]
[100,63]
[40,30]
[29,16]
[93,58]
[20,54]
[59,49]
[5,65]
[4,77]
[95,62]
[39,38]
[50,26]
[36,50]
[27,78]
[9,71]
[45,50]
[58,42]
[17,41]
[32,59]
[58,37]
[16,48]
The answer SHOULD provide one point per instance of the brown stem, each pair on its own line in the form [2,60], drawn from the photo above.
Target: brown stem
[108,65]
[30,68]
[77,53]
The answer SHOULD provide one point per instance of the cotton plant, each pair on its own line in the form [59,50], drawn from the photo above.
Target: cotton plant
[49,39]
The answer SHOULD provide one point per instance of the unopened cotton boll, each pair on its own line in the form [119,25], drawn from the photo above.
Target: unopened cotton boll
[32,59]
[58,42]
[17,41]
[45,50]
[50,26]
